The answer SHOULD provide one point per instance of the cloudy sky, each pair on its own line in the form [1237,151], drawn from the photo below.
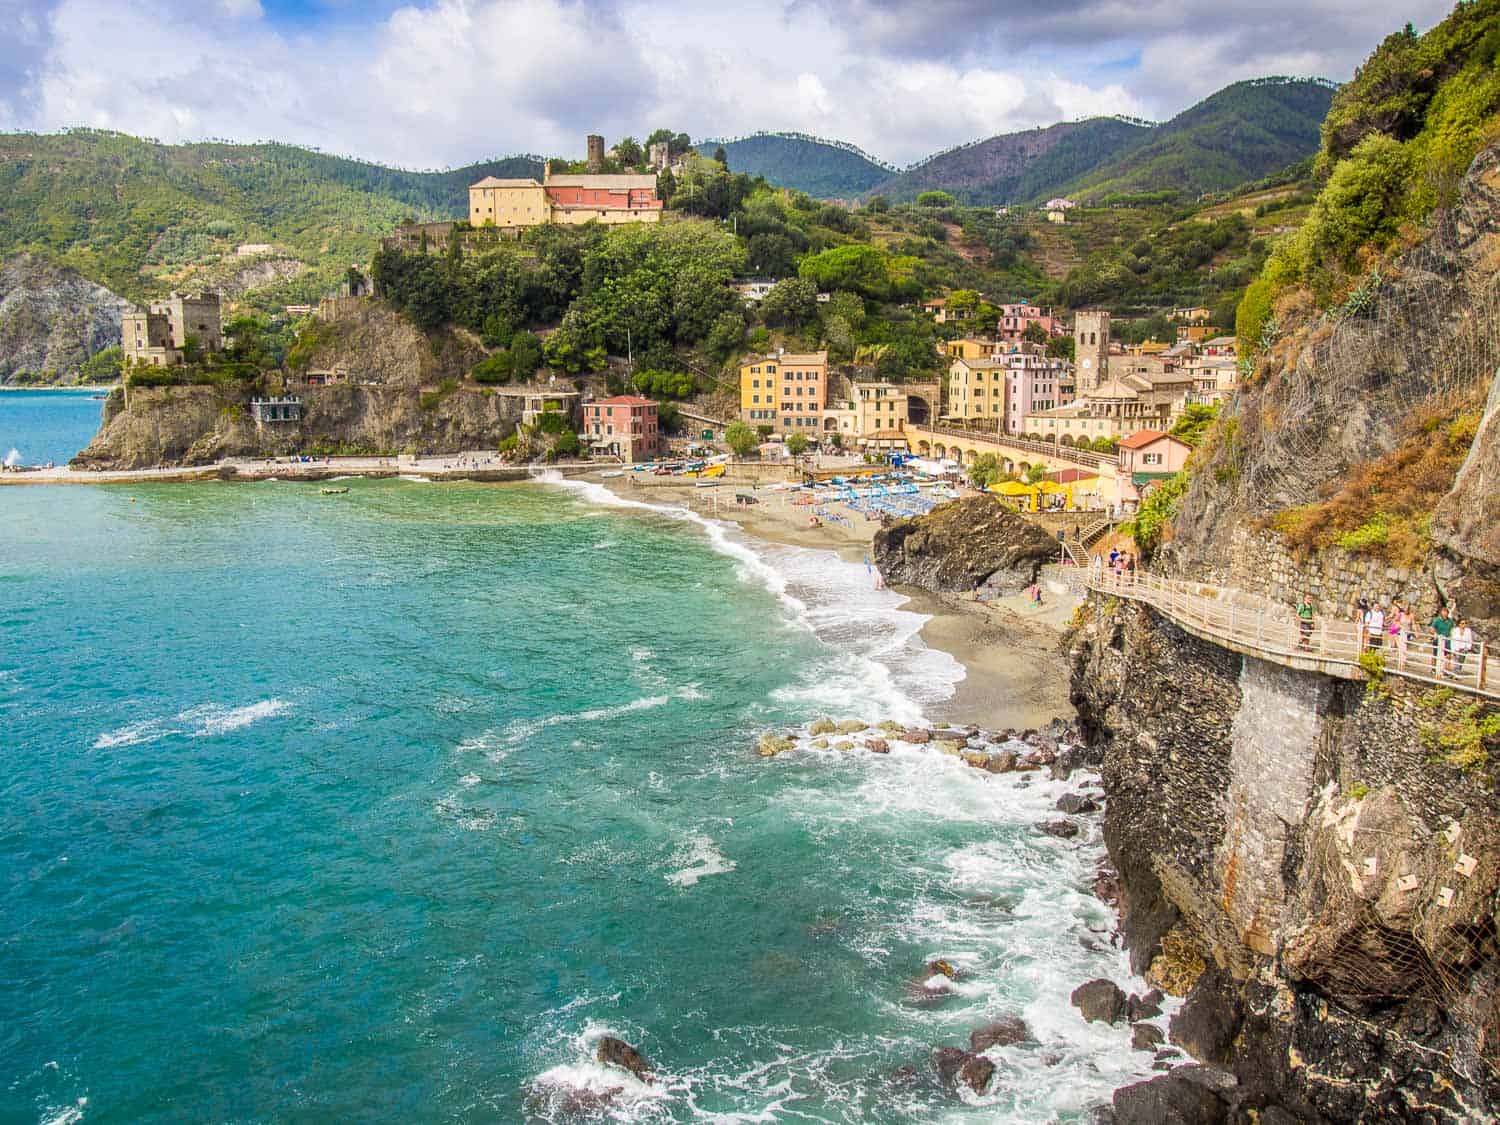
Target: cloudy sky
[439,83]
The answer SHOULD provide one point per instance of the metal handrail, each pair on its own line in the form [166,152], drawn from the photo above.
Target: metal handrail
[1212,613]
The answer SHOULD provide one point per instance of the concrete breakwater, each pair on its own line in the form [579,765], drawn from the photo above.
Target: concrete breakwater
[458,467]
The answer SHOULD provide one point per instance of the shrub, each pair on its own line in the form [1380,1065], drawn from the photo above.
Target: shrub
[552,422]
[497,368]
[1156,511]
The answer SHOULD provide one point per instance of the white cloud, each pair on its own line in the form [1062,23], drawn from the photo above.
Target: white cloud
[443,82]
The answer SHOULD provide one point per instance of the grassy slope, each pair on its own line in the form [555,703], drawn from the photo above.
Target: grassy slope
[123,210]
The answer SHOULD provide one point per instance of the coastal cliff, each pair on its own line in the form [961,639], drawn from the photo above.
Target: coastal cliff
[1290,851]
[146,427]
[401,393]
[1313,860]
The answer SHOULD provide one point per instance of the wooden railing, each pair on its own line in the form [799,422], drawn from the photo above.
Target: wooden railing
[1276,634]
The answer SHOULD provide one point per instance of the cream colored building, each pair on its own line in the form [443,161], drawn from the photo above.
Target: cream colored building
[871,408]
[568,199]
[976,391]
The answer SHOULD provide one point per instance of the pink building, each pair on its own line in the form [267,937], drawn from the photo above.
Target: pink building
[1014,320]
[625,426]
[1148,456]
[1034,382]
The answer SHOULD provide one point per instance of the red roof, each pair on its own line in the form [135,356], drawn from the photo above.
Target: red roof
[624,400]
[1142,438]
[1071,476]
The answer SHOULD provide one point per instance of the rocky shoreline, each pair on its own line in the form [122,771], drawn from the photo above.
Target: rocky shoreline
[1184,1091]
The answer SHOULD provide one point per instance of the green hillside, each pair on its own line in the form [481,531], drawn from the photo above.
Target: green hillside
[130,213]
[1017,167]
[823,169]
[1243,132]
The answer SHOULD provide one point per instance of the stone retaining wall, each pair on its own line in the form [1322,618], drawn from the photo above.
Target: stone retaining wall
[1260,563]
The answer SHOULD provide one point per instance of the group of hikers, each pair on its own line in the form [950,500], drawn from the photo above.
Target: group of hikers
[1121,563]
[1396,626]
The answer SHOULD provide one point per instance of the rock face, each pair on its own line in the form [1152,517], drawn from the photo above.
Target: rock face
[148,426]
[392,403]
[1291,857]
[52,319]
[1333,392]
[962,545]
[1001,1033]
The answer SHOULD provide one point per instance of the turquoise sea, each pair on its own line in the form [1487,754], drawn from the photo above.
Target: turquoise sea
[386,806]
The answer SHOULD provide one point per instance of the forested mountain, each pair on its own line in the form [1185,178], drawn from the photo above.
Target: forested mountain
[130,213]
[823,169]
[1017,166]
[1241,133]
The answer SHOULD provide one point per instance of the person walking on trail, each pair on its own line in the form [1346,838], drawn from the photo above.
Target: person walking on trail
[1404,629]
[1375,627]
[1442,630]
[1462,643]
[1306,611]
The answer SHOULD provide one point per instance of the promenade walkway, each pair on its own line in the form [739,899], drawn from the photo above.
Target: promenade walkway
[1255,627]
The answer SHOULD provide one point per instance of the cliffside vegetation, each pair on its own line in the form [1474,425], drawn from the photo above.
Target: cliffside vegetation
[1395,143]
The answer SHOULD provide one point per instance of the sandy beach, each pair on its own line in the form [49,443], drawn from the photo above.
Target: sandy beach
[1016,673]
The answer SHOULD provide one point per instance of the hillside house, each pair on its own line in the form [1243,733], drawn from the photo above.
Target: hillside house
[564,199]
[1015,319]
[1147,456]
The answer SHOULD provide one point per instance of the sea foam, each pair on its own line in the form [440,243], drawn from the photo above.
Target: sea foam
[203,721]
[887,670]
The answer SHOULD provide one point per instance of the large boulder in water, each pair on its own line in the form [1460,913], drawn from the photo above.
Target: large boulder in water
[618,1053]
[962,545]
[1099,999]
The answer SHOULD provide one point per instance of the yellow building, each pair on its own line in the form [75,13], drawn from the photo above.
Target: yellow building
[508,203]
[609,199]
[976,390]
[786,391]
[873,408]
[968,347]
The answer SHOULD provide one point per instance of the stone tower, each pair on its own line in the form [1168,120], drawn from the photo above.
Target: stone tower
[1090,349]
[661,156]
[596,152]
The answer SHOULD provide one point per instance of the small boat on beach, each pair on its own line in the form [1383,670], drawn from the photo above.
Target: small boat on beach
[335,491]
[613,473]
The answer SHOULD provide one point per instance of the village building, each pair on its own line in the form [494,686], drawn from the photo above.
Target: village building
[1196,314]
[1195,333]
[1015,319]
[1147,456]
[1090,348]
[625,426]
[786,391]
[969,347]
[158,336]
[753,290]
[1036,383]
[565,199]
[976,392]
[872,408]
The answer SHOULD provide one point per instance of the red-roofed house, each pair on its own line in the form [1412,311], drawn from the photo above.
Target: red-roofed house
[625,426]
[1147,456]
